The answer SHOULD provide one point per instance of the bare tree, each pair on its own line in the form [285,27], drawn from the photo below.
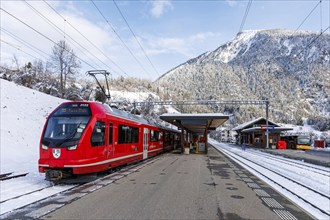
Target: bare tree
[65,62]
[15,61]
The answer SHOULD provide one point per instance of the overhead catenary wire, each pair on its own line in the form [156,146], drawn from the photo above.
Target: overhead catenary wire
[32,47]
[129,27]
[321,18]
[72,26]
[12,45]
[308,15]
[314,39]
[60,31]
[122,41]
[321,31]
[319,35]
[43,35]
[245,16]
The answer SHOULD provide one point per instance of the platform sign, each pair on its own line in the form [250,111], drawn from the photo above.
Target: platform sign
[271,127]
[201,147]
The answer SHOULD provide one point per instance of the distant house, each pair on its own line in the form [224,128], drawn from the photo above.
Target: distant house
[253,133]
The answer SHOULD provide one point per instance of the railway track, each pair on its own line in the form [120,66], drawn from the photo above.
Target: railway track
[25,194]
[305,166]
[32,194]
[8,176]
[307,196]
[13,206]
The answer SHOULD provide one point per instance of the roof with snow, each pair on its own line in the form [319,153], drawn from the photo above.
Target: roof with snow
[256,121]
[196,123]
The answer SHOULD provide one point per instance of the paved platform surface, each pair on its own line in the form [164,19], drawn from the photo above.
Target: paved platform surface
[179,186]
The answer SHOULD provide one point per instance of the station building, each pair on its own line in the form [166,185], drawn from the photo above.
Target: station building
[253,133]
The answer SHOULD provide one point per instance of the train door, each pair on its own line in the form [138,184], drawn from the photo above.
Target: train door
[145,143]
[110,146]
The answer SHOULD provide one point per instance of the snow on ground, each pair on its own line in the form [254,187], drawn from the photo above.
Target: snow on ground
[23,114]
[302,172]
[305,129]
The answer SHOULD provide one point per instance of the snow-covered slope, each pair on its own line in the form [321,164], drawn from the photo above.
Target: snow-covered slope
[23,114]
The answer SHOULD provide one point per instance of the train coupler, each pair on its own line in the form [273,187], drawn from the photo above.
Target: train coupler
[54,175]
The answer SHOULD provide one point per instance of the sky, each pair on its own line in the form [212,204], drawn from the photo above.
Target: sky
[142,39]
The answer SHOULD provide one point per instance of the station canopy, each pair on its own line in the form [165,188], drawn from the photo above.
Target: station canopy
[196,123]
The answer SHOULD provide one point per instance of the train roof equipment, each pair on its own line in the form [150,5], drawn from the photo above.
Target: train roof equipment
[93,73]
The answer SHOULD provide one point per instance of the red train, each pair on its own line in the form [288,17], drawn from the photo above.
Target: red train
[89,137]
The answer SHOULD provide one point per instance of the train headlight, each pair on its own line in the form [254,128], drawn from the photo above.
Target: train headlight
[74,147]
[44,147]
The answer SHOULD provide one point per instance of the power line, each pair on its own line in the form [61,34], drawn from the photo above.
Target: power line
[13,16]
[321,14]
[145,54]
[322,32]
[56,28]
[245,15]
[308,15]
[87,40]
[129,50]
[12,45]
[35,49]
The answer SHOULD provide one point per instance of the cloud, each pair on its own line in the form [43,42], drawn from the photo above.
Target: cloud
[202,36]
[175,45]
[98,35]
[232,3]
[159,7]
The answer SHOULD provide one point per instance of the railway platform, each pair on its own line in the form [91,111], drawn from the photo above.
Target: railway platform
[177,186]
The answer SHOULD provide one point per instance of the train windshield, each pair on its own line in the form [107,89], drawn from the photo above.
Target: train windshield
[64,131]
[304,140]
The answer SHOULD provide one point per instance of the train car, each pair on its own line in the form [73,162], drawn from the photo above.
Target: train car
[297,141]
[89,137]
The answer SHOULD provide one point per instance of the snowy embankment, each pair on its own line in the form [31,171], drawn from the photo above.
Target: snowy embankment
[305,184]
[23,114]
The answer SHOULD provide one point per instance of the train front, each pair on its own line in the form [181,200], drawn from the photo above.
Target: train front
[61,137]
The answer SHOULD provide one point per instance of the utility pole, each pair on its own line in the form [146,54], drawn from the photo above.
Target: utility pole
[267,131]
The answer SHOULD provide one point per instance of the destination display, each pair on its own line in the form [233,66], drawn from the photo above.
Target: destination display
[74,109]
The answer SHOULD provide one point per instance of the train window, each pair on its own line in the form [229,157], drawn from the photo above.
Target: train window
[97,138]
[110,133]
[128,134]
[154,136]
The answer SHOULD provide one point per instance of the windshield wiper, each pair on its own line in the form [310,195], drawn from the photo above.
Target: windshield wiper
[71,135]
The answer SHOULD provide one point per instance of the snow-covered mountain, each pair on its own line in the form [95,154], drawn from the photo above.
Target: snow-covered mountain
[291,68]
